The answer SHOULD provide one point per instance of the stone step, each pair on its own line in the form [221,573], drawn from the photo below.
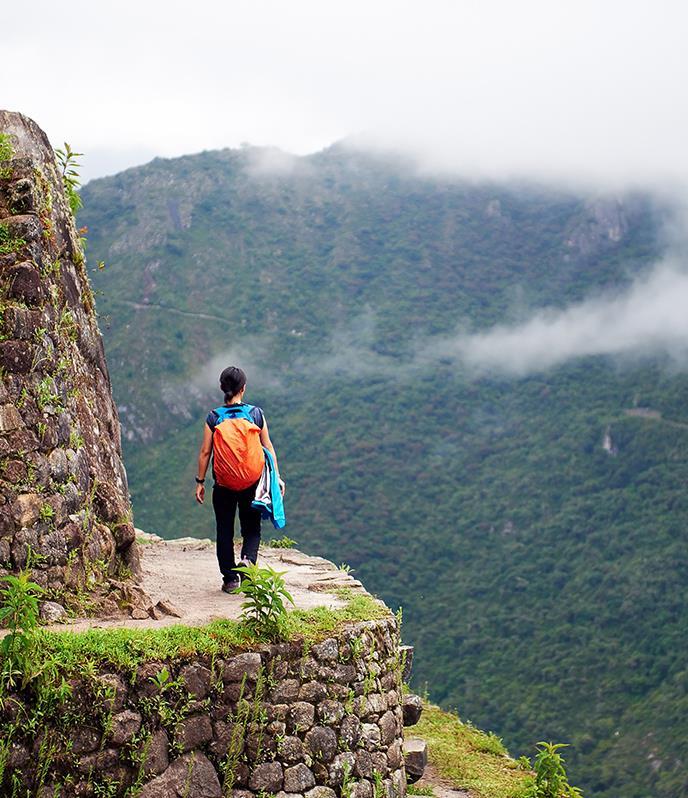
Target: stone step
[412,707]
[415,758]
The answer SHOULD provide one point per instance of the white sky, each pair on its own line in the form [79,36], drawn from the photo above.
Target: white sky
[559,89]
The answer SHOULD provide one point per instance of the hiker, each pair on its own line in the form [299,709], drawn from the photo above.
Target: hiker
[236,434]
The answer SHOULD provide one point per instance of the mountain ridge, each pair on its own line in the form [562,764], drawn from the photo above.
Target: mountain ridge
[477,502]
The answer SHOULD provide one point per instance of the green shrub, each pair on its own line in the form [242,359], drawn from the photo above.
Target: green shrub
[67,160]
[263,611]
[8,242]
[551,780]
[18,612]
[6,148]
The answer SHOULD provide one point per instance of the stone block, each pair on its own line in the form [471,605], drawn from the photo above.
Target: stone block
[190,775]
[266,777]
[375,705]
[330,712]
[321,792]
[193,732]
[298,778]
[10,418]
[313,692]
[395,756]
[25,284]
[16,356]
[327,651]
[412,707]
[364,764]
[155,753]
[286,691]
[350,731]
[124,725]
[52,612]
[196,677]
[290,749]
[343,763]
[301,716]
[27,509]
[225,735]
[364,789]
[321,743]
[344,673]
[248,664]
[388,728]
[415,758]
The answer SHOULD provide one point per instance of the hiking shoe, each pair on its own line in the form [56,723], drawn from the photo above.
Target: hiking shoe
[230,585]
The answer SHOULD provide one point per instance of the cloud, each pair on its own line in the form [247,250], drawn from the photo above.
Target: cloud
[575,89]
[183,398]
[649,319]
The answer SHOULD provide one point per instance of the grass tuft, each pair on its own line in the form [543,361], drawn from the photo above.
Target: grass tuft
[126,649]
[471,759]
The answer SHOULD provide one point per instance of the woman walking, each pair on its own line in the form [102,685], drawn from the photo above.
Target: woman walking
[235,434]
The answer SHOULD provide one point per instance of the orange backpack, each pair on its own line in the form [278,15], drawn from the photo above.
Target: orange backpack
[238,456]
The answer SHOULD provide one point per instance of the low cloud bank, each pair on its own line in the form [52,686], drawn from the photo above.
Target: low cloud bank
[649,318]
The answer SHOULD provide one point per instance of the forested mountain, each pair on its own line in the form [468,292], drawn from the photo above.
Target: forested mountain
[534,528]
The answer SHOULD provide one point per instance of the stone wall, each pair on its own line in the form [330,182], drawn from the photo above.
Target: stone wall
[318,722]
[64,502]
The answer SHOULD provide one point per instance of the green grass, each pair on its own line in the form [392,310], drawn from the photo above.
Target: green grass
[125,649]
[469,758]
[6,148]
[8,242]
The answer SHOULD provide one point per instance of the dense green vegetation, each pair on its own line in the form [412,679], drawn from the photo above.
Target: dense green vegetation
[542,578]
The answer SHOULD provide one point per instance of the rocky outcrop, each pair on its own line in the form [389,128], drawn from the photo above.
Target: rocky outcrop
[318,721]
[64,503]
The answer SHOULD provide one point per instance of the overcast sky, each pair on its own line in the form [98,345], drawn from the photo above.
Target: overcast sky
[554,89]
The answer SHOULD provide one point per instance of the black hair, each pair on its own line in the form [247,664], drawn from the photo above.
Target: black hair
[232,380]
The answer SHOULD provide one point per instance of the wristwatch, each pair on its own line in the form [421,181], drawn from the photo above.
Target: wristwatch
[199,481]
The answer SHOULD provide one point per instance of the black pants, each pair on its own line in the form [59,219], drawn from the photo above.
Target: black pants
[225,503]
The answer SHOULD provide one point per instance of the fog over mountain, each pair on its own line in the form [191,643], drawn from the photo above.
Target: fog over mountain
[571,91]
[649,318]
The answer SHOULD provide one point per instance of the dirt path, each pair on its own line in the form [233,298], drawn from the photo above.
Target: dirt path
[441,787]
[184,575]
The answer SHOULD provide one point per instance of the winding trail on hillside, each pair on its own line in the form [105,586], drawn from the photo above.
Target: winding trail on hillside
[168,309]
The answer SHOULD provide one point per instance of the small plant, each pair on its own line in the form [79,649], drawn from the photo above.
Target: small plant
[413,789]
[284,542]
[68,326]
[46,393]
[551,780]
[347,781]
[8,242]
[345,568]
[69,165]
[46,513]
[263,611]
[6,148]
[18,612]
[76,440]
[6,154]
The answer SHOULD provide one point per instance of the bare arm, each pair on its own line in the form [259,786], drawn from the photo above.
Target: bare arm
[203,459]
[267,443]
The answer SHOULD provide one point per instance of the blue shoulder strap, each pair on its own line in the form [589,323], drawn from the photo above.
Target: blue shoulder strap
[235,411]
